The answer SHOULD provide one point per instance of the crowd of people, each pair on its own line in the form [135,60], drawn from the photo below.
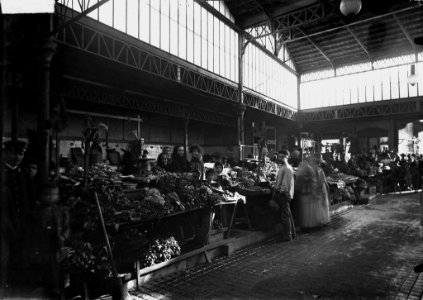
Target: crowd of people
[176,161]
[391,171]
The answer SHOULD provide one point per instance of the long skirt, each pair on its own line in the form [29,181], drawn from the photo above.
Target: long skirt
[314,209]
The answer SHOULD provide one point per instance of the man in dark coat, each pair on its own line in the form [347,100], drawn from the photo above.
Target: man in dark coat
[18,201]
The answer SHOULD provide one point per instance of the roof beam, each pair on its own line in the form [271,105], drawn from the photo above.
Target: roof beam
[262,9]
[250,38]
[78,17]
[317,48]
[350,24]
[270,22]
[290,56]
[217,14]
[405,32]
[358,41]
[285,12]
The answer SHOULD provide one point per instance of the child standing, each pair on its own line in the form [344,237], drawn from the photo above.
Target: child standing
[50,231]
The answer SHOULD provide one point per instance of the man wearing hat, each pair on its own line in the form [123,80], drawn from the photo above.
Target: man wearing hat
[18,182]
[19,200]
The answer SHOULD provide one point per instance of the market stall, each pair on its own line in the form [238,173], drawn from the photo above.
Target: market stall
[150,218]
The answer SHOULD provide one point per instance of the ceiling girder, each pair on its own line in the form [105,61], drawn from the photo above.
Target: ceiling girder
[235,27]
[285,23]
[318,48]
[300,17]
[366,20]
[358,41]
[85,10]
[405,32]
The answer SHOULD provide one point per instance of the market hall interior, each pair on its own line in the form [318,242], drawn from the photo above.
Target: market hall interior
[145,137]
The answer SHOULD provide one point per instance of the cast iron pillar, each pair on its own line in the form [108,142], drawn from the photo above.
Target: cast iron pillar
[240,107]
[13,64]
[45,52]
[394,141]
[15,94]
[3,255]
[186,124]
[240,110]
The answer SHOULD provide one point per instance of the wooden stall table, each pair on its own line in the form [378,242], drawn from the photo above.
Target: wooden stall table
[261,216]
[239,202]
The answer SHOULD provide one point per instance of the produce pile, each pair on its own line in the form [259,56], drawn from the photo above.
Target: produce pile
[85,257]
[248,185]
[349,179]
[173,193]
[160,250]
[364,170]
[98,175]
[159,194]
[339,176]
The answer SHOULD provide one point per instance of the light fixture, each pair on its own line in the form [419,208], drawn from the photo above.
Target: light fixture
[412,77]
[350,7]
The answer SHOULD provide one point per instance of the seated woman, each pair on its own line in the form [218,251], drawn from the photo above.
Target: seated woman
[179,162]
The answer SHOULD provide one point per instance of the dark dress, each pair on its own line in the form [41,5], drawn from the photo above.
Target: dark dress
[197,167]
[179,164]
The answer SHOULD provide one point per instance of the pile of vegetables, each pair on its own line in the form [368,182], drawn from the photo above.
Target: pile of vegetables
[160,250]
[78,256]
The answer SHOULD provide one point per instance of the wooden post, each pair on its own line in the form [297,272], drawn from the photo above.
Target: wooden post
[119,292]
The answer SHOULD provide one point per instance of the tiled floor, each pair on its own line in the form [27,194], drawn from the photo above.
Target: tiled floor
[366,253]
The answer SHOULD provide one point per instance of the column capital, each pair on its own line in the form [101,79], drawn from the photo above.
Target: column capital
[240,108]
[45,52]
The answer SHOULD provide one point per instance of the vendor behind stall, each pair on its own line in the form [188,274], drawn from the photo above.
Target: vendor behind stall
[210,176]
[196,164]
[168,152]
[162,162]
[179,162]
[218,168]
[96,152]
